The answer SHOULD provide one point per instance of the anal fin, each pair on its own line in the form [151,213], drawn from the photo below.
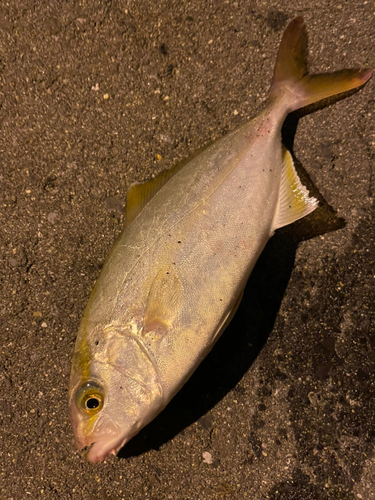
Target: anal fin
[294,200]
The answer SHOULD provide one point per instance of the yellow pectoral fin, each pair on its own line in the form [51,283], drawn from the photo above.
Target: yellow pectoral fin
[163,303]
[294,200]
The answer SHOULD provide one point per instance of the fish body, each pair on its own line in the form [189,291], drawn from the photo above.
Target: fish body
[176,275]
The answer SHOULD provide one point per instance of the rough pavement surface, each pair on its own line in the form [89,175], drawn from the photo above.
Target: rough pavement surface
[97,95]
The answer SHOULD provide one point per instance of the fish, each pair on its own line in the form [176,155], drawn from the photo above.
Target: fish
[175,277]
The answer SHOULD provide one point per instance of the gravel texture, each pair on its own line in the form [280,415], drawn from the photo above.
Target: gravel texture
[97,95]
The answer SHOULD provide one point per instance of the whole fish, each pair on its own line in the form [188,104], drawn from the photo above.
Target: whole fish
[176,275]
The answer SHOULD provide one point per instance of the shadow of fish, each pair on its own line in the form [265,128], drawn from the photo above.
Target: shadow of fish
[175,277]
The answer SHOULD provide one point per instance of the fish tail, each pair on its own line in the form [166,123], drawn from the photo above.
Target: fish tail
[294,85]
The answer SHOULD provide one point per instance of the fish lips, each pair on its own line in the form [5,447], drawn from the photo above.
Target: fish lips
[106,439]
[105,446]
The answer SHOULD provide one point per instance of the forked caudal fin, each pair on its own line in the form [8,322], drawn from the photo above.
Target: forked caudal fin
[291,80]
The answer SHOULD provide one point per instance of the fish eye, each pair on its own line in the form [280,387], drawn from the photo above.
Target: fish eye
[92,403]
[90,398]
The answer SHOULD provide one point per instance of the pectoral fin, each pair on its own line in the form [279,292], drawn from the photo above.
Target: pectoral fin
[163,303]
[294,200]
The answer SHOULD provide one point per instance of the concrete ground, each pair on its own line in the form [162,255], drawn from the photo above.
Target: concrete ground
[97,95]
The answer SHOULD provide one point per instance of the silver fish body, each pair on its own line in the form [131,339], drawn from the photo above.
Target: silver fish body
[176,275]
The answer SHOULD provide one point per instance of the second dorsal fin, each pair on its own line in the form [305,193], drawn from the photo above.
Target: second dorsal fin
[141,193]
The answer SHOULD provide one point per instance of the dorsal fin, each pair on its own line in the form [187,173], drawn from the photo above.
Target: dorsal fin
[294,201]
[141,193]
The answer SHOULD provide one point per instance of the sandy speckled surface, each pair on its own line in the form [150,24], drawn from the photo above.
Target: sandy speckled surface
[97,95]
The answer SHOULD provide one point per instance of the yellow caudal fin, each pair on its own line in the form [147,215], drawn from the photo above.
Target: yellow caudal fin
[294,200]
[294,85]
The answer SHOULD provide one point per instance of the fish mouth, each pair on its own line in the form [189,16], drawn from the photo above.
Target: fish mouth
[101,444]
[103,447]
[107,438]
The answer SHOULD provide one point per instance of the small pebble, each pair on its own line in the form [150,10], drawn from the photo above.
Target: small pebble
[166,138]
[51,217]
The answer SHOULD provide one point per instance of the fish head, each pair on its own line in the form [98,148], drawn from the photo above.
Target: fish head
[114,391]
